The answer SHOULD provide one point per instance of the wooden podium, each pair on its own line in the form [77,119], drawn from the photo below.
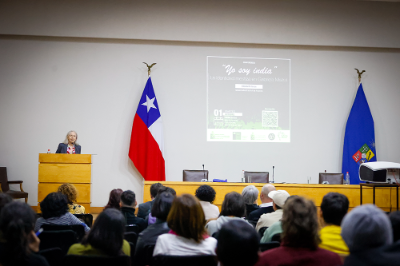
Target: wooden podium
[57,169]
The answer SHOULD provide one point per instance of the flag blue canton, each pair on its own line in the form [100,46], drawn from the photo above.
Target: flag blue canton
[148,107]
[359,139]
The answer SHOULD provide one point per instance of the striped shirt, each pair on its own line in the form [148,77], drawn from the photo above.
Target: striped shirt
[65,219]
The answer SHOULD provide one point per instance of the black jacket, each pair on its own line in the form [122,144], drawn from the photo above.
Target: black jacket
[254,216]
[62,148]
[382,256]
[131,218]
[148,238]
[145,209]
[250,208]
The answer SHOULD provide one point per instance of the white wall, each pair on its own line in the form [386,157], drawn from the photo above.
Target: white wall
[51,85]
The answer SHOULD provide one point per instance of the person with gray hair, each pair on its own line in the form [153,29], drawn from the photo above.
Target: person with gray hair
[368,234]
[265,206]
[70,145]
[250,195]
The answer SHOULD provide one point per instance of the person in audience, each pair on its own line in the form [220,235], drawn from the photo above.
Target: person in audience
[55,211]
[106,238]
[279,198]
[334,207]
[368,234]
[145,208]
[233,208]
[206,196]
[238,244]
[114,199]
[4,199]
[250,195]
[70,191]
[187,236]
[273,230]
[300,238]
[395,221]
[128,204]
[265,207]
[18,241]
[150,218]
[160,210]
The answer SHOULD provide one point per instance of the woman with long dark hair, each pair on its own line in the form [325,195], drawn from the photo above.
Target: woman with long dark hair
[106,237]
[18,243]
[114,199]
[187,236]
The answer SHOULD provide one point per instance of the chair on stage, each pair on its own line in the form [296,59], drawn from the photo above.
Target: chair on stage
[195,175]
[331,178]
[5,188]
[256,177]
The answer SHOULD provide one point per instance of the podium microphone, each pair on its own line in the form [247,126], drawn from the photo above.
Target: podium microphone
[204,173]
[273,173]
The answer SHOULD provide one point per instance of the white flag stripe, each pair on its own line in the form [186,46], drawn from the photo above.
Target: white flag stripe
[156,130]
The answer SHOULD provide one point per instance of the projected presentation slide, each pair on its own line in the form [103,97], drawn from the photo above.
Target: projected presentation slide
[248,99]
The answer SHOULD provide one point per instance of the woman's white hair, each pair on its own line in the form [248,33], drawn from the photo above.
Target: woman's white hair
[66,137]
[250,194]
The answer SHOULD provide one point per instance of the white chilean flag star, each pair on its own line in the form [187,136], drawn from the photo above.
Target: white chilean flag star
[149,103]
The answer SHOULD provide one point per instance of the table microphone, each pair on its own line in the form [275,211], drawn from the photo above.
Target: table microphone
[204,173]
[273,173]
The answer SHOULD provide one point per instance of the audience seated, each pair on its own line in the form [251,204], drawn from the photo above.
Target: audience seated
[395,221]
[187,236]
[233,208]
[18,242]
[368,234]
[114,199]
[70,191]
[54,209]
[299,238]
[265,207]
[128,204]
[250,195]
[160,210]
[206,196]
[237,244]
[4,199]
[334,207]
[106,238]
[279,198]
[150,218]
[145,208]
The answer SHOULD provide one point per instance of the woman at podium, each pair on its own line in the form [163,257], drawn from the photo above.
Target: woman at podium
[70,146]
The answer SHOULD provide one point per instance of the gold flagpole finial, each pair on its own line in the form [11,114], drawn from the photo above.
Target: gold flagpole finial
[359,74]
[149,67]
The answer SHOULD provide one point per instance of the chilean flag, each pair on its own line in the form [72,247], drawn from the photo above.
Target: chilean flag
[147,141]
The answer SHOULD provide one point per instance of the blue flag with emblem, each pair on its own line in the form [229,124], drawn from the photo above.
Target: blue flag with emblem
[359,139]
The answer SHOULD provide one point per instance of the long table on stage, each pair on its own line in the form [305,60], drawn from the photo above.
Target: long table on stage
[385,197]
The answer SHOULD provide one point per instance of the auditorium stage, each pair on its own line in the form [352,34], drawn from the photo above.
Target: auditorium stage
[385,197]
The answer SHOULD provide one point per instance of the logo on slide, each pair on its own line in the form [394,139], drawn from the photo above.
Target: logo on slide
[271,136]
[363,154]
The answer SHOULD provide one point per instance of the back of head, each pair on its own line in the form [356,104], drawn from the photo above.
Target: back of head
[366,227]
[70,191]
[167,189]
[395,221]
[250,194]
[154,189]
[107,233]
[54,205]
[334,207]
[4,199]
[205,193]
[266,189]
[16,223]
[187,218]
[114,199]
[238,244]
[299,223]
[162,205]
[128,198]
[233,205]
